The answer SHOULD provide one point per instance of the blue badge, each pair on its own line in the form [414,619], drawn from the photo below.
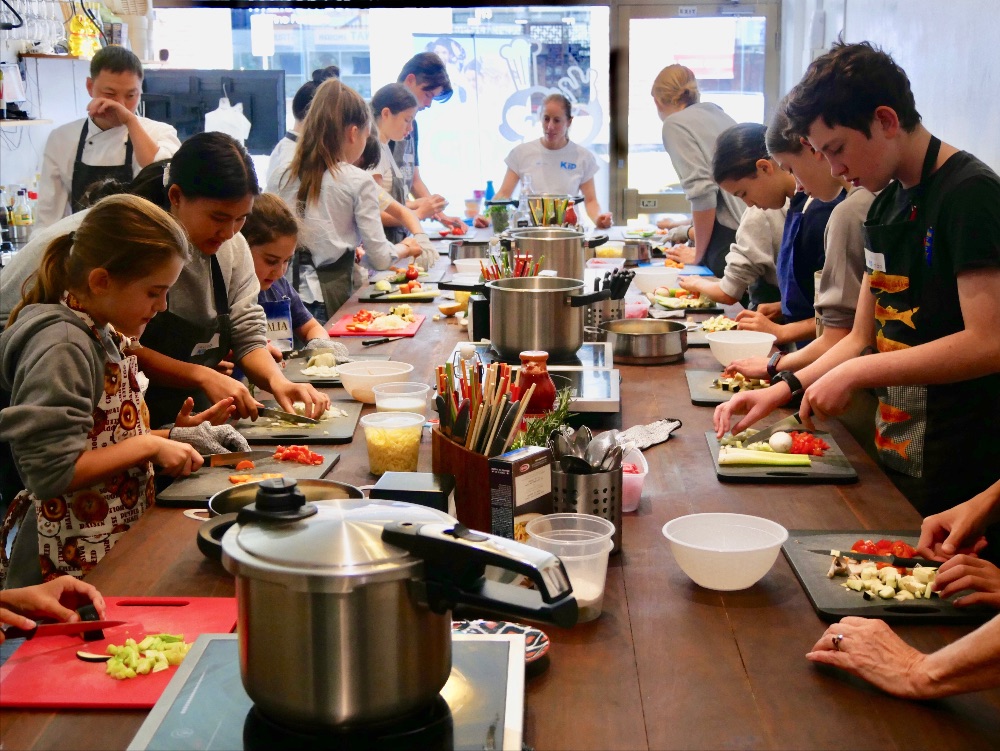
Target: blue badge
[929,245]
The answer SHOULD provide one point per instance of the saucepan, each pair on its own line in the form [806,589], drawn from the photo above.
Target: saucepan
[646,341]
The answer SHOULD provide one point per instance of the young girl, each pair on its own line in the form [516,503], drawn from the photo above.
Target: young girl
[743,168]
[77,422]
[336,201]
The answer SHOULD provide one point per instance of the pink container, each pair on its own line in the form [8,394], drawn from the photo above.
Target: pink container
[636,307]
[632,484]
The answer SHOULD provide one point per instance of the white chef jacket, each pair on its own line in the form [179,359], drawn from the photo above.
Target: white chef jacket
[103,148]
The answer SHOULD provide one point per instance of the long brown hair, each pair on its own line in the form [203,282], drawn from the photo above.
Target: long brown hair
[128,236]
[269,220]
[335,108]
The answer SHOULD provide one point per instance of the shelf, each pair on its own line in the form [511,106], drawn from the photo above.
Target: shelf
[49,56]
[21,123]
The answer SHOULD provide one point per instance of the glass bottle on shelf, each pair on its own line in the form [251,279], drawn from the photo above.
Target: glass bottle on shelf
[534,370]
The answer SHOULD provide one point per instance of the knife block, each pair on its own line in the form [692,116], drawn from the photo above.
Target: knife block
[472,480]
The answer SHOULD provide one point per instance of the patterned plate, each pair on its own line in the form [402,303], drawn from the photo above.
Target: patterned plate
[536,642]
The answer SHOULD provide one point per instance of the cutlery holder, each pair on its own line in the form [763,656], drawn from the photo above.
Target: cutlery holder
[600,312]
[599,493]
[472,480]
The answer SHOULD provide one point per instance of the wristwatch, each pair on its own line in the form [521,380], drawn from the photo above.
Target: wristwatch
[772,364]
[788,377]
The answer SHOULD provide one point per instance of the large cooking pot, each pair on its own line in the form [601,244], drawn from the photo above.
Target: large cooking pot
[538,312]
[344,607]
[562,250]
[646,341]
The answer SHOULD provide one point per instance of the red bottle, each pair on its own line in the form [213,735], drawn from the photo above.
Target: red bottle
[534,370]
[569,218]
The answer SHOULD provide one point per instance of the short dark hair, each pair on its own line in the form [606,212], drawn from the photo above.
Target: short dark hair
[845,87]
[115,59]
[430,72]
[737,151]
[304,96]
[780,137]
[395,96]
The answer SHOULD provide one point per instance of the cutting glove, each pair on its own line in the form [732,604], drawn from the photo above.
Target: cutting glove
[644,436]
[678,235]
[210,439]
[339,350]
[429,255]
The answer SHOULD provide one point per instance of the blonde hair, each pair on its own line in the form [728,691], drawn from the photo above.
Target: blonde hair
[335,108]
[128,236]
[269,220]
[676,84]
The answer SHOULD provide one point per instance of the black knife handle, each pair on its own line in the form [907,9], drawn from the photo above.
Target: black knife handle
[370,342]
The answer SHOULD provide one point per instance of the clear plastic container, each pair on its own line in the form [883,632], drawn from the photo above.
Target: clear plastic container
[393,440]
[632,483]
[402,397]
[636,307]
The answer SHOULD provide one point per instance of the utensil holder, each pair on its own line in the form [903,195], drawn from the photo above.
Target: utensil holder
[597,313]
[472,480]
[599,493]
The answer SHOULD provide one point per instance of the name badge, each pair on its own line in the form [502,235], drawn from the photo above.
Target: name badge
[203,347]
[874,261]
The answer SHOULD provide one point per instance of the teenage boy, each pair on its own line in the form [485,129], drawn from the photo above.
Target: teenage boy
[111,142]
[927,307]
[425,75]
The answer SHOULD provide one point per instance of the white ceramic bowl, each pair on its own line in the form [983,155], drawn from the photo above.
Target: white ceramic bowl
[736,344]
[648,278]
[360,376]
[724,551]
[468,266]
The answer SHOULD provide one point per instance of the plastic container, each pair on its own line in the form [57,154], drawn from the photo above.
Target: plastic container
[583,543]
[468,266]
[632,483]
[605,264]
[736,344]
[648,278]
[724,551]
[636,307]
[393,440]
[403,396]
[361,376]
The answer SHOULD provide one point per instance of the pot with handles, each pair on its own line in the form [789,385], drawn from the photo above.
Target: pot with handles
[539,312]
[344,606]
[646,341]
[564,251]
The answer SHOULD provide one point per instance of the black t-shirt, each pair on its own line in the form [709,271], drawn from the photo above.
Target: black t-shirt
[935,432]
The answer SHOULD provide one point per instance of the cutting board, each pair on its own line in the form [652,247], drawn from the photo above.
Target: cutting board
[700,386]
[696,338]
[45,671]
[714,309]
[832,467]
[195,490]
[832,601]
[340,328]
[293,371]
[434,275]
[332,430]
[372,295]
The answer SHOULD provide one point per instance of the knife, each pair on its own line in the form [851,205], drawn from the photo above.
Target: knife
[895,560]
[286,416]
[382,340]
[59,629]
[790,422]
[461,427]
[234,457]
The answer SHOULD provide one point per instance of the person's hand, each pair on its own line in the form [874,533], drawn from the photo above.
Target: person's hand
[408,248]
[428,253]
[287,393]
[754,320]
[755,404]
[217,414]
[871,650]
[273,351]
[679,235]
[428,206]
[959,529]
[359,253]
[604,220]
[830,394]
[108,112]
[210,439]
[770,309]
[480,221]
[681,253]
[751,367]
[449,221]
[58,598]
[969,572]
[174,458]
[691,284]
[226,367]
[217,387]
[668,223]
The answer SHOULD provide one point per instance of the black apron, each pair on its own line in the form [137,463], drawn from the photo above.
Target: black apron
[176,337]
[718,247]
[85,175]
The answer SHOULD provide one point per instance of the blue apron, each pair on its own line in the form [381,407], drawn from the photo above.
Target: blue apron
[802,254]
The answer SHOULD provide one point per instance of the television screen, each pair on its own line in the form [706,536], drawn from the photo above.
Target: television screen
[182,97]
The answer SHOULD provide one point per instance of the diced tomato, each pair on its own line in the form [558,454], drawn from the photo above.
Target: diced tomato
[300,454]
[864,546]
[883,564]
[807,443]
[458,229]
[245,464]
[884,547]
[903,550]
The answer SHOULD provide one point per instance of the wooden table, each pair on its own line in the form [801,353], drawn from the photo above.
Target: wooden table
[668,664]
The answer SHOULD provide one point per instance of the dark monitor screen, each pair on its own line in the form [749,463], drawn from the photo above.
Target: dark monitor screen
[182,97]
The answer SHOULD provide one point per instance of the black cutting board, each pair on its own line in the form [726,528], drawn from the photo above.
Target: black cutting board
[428,277]
[833,602]
[832,467]
[293,370]
[334,430]
[195,489]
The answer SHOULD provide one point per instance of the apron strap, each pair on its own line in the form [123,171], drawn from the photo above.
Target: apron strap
[128,153]
[293,137]
[930,159]
[82,142]
[219,293]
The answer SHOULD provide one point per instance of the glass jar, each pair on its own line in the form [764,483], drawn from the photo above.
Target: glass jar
[534,370]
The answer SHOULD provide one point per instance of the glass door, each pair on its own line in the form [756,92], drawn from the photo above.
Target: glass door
[733,51]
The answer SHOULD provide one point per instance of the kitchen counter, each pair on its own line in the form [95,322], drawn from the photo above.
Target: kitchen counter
[668,664]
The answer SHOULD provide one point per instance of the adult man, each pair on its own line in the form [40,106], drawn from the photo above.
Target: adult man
[111,142]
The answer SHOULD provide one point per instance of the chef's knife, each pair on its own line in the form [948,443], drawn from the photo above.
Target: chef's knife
[381,340]
[895,560]
[789,423]
[461,427]
[286,416]
[234,457]
[59,629]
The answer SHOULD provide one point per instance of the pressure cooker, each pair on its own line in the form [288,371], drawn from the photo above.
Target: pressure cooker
[344,606]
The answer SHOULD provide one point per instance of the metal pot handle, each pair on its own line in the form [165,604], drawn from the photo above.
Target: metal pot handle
[455,559]
[578,301]
[210,535]
[594,241]
[593,330]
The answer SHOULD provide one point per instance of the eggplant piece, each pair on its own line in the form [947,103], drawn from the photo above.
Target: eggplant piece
[89,613]
[92,656]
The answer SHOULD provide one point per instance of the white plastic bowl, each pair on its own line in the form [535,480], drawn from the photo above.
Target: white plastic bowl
[648,278]
[360,376]
[468,266]
[724,551]
[736,344]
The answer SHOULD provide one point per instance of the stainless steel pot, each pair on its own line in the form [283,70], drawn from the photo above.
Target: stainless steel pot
[538,312]
[344,607]
[564,251]
[646,341]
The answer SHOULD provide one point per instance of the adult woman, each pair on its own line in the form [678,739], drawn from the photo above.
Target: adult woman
[553,163]
[690,129]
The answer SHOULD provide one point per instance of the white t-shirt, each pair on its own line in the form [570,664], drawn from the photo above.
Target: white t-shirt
[560,171]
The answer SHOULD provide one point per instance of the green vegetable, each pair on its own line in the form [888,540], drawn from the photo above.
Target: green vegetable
[729,455]
[538,428]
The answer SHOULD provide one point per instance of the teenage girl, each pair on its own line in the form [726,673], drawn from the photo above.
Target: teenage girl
[82,441]
[336,202]
[742,167]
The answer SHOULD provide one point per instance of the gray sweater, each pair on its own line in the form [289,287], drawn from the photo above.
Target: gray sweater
[844,267]
[754,255]
[689,137]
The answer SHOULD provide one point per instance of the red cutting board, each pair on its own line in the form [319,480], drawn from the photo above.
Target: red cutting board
[45,671]
[340,328]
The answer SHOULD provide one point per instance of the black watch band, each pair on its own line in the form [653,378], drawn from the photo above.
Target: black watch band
[772,364]
[790,380]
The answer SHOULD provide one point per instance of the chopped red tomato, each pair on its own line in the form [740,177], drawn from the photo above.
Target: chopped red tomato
[300,454]
[245,464]
[884,547]
[903,550]
[864,546]
[807,443]
[458,229]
